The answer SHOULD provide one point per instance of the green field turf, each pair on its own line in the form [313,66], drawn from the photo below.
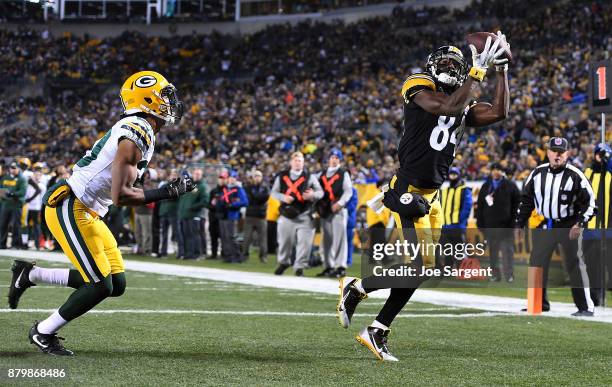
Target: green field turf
[151,344]
[487,288]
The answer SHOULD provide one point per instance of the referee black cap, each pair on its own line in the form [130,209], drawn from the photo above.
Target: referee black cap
[559,144]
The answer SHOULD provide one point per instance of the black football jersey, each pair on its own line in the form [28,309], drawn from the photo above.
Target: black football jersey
[427,147]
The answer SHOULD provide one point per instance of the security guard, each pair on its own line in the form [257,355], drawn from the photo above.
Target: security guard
[338,188]
[592,234]
[456,207]
[563,194]
[296,189]
[13,188]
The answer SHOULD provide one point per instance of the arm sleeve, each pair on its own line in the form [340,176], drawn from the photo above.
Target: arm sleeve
[243,201]
[585,199]
[416,83]
[318,191]
[276,193]
[137,132]
[467,205]
[347,190]
[202,198]
[22,185]
[526,204]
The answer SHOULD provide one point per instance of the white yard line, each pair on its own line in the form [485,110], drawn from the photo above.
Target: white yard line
[327,286]
[254,313]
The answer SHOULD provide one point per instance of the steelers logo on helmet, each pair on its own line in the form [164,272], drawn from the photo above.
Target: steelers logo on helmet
[406,198]
[145,81]
[448,67]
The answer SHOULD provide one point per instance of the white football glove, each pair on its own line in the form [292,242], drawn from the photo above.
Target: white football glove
[501,64]
[481,62]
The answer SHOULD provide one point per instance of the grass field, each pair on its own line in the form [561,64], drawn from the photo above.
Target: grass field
[504,289]
[176,330]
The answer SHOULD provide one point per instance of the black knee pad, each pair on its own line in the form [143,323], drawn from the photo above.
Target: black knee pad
[119,283]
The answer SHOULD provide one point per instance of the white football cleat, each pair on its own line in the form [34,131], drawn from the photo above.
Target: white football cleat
[375,339]
[350,296]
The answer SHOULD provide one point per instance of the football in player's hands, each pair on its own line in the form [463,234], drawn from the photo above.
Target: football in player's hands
[479,39]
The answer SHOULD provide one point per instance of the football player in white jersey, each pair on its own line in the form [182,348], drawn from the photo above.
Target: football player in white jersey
[73,207]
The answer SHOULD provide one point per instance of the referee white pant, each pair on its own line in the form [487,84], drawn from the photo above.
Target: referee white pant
[334,242]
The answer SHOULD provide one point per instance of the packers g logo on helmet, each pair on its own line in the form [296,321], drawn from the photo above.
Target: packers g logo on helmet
[145,81]
[149,92]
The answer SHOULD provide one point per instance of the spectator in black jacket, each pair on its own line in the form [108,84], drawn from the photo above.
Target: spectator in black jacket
[255,221]
[498,201]
[215,214]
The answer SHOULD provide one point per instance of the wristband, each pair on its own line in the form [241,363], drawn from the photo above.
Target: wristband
[502,67]
[155,195]
[477,73]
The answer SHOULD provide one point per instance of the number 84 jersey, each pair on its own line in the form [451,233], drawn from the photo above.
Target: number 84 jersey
[427,147]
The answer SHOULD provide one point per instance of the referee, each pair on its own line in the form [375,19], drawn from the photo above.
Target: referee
[563,195]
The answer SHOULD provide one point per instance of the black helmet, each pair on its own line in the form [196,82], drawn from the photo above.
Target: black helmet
[452,78]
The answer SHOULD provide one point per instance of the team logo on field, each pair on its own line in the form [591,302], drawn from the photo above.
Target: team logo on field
[406,198]
[146,81]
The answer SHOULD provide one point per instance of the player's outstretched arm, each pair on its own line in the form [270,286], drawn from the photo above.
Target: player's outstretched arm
[441,104]
[482,113]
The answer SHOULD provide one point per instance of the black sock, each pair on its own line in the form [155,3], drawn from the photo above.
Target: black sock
[75,279]
[395,303]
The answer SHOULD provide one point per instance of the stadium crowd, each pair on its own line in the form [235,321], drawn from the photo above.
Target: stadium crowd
[305,93]
[254,100]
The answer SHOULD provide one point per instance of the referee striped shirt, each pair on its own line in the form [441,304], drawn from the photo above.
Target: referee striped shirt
[559,195]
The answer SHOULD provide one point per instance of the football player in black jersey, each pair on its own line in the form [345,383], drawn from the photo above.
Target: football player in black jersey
[437,107]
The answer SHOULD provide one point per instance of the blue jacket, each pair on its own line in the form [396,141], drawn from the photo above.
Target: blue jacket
[351,208]
[237,200]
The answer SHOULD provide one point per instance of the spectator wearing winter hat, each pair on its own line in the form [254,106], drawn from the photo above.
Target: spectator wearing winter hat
[338,189]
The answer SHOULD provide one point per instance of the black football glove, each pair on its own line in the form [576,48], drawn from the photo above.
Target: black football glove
[180,186]
[409,205]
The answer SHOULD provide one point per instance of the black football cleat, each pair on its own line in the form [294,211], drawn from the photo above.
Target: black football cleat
[350,296]
[281,269]
[339,272]
[375,339]
[20,281]
[583,313]
[326,272]
[49,344]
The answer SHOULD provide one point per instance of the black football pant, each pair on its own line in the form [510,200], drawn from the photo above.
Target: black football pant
[592,256]
[501,241]
[400,292]
[544,243]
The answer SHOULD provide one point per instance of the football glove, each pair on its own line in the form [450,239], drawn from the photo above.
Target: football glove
[481,62]
[180,186]
[501,64]
[409,204]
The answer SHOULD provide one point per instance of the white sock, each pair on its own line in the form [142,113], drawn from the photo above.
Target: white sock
[49,276]
[379,325]
[24,239]
[359,286]
[52,324]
